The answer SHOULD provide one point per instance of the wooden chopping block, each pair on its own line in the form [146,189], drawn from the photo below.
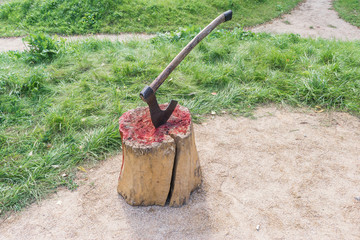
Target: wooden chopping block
[159,165]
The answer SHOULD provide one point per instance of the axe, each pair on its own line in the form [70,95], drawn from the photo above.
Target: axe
[158,116]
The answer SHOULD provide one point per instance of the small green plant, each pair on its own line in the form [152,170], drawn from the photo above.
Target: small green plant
[88,21]
[279,8]
[181,34]
[42,48]
[287,22]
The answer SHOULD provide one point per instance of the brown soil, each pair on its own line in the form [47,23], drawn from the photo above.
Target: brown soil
[287,174]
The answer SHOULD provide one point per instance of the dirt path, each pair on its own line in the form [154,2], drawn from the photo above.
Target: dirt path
[16,43]
[313,18]
[293,174]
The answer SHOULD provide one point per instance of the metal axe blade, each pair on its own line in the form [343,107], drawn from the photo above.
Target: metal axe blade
[158,116]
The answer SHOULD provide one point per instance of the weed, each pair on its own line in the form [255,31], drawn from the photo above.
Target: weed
[287,22]
[42,48]
[279,8]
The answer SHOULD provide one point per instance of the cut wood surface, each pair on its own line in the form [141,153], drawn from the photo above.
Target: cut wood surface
[159,165]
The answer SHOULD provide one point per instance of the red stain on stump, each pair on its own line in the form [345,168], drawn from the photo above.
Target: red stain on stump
[136,125]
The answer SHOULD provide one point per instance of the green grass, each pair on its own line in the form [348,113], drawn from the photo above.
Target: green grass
[349,10]
[20,17]
[61,110]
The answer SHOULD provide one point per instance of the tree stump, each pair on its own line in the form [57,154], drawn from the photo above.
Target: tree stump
[160,165]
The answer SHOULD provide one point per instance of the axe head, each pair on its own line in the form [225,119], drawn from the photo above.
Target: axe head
[158,116]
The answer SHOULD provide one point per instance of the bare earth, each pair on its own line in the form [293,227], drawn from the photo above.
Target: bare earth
[313,18]
[287,174]
[293,174]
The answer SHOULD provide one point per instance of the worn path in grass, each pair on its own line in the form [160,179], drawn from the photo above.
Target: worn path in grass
[291,174]
[313,18]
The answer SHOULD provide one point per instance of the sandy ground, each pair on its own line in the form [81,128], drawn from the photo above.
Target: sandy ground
[313,18]
[291,174]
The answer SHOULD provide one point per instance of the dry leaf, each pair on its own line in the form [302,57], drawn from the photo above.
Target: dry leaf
[318,109]
[82,169]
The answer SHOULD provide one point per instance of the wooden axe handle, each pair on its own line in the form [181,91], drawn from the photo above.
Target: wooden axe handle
[226,16]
